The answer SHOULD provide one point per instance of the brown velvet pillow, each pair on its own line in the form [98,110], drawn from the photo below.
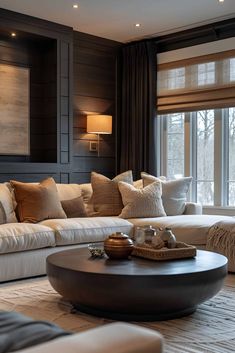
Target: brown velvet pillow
[36,202]
[74,208]
[106,196]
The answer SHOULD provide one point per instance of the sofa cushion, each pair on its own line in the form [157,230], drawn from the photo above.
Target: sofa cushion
[85,230]
[106,196]
[36,202]
[145,202]
[68,191]
[6,200]
[87,198]
[16,237]
[86,192]
[174,192]
[191,229]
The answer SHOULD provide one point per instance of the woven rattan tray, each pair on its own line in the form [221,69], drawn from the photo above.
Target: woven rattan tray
[182,250]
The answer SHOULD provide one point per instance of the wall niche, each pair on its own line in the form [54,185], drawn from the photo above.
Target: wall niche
[39,54]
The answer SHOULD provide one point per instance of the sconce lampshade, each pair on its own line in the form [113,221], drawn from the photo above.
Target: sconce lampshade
[99,124]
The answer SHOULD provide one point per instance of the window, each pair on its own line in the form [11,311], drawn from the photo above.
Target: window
[174,145]
[206,74]
[205,156]
[231,166]
[197,125]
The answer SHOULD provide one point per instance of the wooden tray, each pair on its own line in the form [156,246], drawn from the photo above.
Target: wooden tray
[181,251]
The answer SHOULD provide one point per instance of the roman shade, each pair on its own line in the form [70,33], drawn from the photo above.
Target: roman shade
[198,83]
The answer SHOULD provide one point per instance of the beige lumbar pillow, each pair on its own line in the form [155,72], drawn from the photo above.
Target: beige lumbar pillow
[145,202]
[174,192]
[106,197]
[36,202]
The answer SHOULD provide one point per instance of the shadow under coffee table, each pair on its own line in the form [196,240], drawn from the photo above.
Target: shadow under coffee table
[136,289]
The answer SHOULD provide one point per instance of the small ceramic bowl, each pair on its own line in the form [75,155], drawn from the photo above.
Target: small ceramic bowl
[96,250]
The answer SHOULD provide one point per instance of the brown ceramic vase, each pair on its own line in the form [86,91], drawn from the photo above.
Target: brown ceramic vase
[118,246]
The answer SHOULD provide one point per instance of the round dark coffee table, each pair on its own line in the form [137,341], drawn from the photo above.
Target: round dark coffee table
[136,289]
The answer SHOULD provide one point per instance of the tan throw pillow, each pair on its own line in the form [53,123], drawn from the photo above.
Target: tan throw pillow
[74,208]
[141,203]
[36,202]
[106,197]
[174,192]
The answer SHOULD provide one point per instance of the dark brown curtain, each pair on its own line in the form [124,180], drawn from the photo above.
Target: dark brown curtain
[137,113]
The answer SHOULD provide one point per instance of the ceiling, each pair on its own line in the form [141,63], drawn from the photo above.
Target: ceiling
[115,19]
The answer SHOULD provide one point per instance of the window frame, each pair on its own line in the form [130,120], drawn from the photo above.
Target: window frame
[221,160]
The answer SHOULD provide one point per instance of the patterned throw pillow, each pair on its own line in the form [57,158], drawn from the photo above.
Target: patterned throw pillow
[141,203]
[174,192]
[106,197]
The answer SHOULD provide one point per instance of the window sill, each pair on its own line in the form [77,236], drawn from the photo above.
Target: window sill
[219,210]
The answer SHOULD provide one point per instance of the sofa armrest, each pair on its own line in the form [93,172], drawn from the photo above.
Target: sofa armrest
[193,208]
[115,338]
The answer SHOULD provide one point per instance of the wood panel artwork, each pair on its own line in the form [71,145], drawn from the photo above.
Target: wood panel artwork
[14,110]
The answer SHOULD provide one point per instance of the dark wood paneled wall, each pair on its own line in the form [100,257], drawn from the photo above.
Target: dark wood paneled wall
[47,49]
[94,93]
[61,61]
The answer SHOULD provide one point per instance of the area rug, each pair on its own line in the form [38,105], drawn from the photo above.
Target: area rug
[211,329]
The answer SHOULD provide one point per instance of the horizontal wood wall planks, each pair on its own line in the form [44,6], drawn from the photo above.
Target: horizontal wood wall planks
[95,82]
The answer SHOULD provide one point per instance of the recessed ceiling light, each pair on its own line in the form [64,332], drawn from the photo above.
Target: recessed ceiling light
[75,6]
[221,0]
[138,25]
[13,34]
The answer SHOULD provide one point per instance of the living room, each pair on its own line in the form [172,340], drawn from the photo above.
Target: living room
[117,117]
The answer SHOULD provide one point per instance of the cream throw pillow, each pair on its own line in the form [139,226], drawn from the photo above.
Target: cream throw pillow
[106,197]
[6,199]
[3,218]
[174,192]
[141,203]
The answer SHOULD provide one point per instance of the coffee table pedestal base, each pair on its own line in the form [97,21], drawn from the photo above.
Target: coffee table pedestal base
[134,317]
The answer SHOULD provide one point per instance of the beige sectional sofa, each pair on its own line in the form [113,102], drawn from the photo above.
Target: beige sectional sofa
[25,246]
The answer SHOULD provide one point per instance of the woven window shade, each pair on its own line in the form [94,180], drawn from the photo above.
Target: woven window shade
[205,82]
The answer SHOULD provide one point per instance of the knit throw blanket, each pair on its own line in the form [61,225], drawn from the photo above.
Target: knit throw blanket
[221,239]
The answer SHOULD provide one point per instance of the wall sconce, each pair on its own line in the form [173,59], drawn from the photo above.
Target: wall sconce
[99,124]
